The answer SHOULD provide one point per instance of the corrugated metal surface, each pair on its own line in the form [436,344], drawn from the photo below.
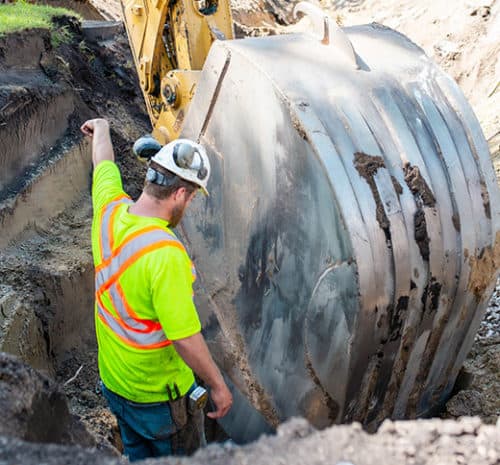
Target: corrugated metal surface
[349,247]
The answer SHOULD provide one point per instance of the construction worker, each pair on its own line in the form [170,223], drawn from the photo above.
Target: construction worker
[148,330]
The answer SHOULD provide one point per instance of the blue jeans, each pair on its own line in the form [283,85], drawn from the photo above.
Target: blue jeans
[146,429]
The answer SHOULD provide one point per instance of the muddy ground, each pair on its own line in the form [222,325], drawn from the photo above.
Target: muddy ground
[100,80]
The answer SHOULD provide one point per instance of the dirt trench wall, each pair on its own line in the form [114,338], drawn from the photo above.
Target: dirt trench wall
[65,306]
[34,111]
[40,120]
[44,165]
[21,332]
[46,192]
[53,314]
[17,52]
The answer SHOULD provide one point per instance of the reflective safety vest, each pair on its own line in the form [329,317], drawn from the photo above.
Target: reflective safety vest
[114,261]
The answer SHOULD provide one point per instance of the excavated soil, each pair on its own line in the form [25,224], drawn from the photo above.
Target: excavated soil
[429,442]
[46,268]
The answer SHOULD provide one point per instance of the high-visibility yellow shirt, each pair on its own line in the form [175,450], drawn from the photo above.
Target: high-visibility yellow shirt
[158,287]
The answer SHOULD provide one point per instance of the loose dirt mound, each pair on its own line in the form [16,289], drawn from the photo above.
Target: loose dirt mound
[33,407]
[79,380]
[428,442]
[479,384]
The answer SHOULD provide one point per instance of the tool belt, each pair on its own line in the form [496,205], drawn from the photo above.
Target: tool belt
[189,421]
[179,412]
[178,407]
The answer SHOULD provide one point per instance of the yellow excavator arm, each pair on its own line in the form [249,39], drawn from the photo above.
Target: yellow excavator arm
[170,40]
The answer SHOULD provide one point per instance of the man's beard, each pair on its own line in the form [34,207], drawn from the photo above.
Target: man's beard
[176,215]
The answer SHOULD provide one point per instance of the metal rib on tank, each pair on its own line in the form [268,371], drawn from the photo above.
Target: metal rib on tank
[420,178]
[466,236]
[425,224]
[387,190]
[460,321]
[338,252]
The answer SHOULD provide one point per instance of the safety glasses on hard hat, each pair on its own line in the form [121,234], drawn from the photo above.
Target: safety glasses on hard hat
[187,156]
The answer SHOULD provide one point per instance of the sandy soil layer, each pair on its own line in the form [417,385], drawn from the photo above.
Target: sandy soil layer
[109,9]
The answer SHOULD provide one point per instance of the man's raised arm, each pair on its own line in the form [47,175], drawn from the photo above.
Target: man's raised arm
[102,148]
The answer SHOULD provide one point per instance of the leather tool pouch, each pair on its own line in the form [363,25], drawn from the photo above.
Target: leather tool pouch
[178,409]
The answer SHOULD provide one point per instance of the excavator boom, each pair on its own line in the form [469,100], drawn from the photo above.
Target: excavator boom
[170,41]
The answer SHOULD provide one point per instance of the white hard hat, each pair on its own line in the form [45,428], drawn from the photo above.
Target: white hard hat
[186,159]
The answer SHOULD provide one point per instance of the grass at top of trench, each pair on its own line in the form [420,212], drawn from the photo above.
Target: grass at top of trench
[23,15]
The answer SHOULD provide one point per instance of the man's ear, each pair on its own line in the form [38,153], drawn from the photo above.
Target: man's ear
[180,194]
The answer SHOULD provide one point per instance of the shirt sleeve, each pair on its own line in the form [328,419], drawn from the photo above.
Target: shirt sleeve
[106,184]
[172,291]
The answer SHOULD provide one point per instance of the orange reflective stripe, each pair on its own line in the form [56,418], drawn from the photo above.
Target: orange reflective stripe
[101,216]
[122,323]
[119,316]
[127,240]
[150,324]
[99,301]
[132,247]
[111,223]
[119,197]
[157,345]
[131,260]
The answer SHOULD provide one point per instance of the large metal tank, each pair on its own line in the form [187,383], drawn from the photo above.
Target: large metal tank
[349,246]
